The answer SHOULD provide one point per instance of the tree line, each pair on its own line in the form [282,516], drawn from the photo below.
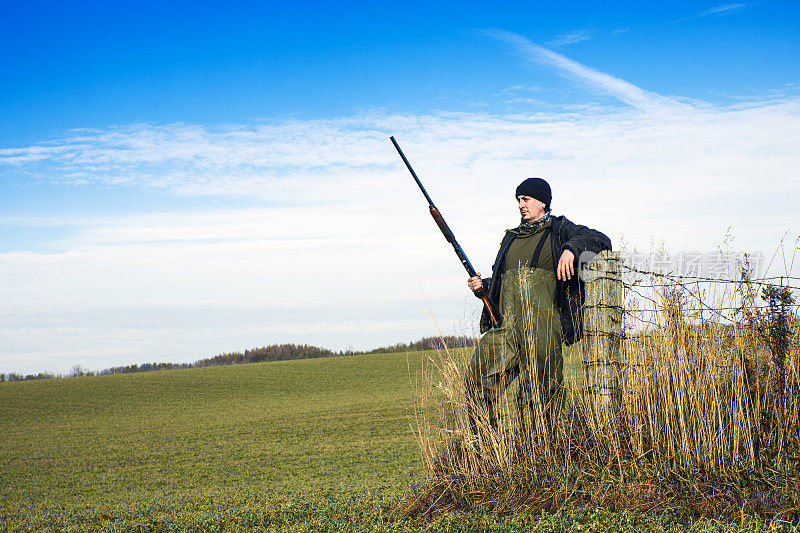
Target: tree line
[271,353]
[428,343]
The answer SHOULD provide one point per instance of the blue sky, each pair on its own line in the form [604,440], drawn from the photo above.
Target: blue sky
[91,64]
[185,179]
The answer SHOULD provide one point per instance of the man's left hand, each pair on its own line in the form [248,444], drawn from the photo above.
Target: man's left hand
[566,266]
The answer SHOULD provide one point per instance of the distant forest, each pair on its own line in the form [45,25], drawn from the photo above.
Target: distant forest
[273,352]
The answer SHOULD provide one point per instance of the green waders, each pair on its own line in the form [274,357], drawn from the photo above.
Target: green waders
[528,344]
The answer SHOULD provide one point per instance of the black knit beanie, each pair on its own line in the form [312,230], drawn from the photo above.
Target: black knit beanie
[535,188]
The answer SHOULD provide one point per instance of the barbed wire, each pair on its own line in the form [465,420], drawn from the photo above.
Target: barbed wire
[700,304]
[767,280]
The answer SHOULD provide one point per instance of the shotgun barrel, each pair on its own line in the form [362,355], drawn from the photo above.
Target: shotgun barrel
[448,235]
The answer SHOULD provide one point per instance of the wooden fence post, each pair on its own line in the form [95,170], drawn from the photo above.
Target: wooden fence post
[602,334]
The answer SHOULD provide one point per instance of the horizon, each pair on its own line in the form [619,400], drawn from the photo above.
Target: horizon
[214,360]
[191,179]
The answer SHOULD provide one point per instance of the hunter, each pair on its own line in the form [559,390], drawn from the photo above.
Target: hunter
[535,287]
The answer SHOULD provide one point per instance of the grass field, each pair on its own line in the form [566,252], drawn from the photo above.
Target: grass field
[310,445]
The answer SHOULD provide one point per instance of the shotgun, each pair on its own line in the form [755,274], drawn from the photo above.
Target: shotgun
[448,235]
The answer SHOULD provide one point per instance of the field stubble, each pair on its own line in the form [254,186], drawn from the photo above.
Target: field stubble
[705,419]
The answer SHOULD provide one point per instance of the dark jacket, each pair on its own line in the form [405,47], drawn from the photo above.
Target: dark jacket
[569,294]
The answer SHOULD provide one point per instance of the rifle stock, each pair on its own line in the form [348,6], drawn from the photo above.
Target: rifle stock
[449,237]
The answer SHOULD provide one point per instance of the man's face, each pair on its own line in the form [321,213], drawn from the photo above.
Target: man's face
[530,208]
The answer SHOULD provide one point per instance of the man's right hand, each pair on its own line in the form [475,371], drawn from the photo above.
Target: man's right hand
[475,283]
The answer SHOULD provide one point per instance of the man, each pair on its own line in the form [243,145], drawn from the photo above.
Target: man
[535,287]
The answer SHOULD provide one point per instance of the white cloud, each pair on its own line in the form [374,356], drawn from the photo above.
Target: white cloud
[571,37]
[102,336]
[624,91]
[724,9]
[342,242]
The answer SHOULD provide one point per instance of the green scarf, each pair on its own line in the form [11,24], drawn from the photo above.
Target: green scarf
[532,226]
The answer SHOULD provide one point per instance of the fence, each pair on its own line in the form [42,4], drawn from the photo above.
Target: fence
[622,316]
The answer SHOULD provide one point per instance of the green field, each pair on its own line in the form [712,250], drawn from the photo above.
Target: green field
[310,445]
[208,439]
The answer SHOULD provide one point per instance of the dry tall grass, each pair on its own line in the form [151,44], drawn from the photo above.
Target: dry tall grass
[706,418]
